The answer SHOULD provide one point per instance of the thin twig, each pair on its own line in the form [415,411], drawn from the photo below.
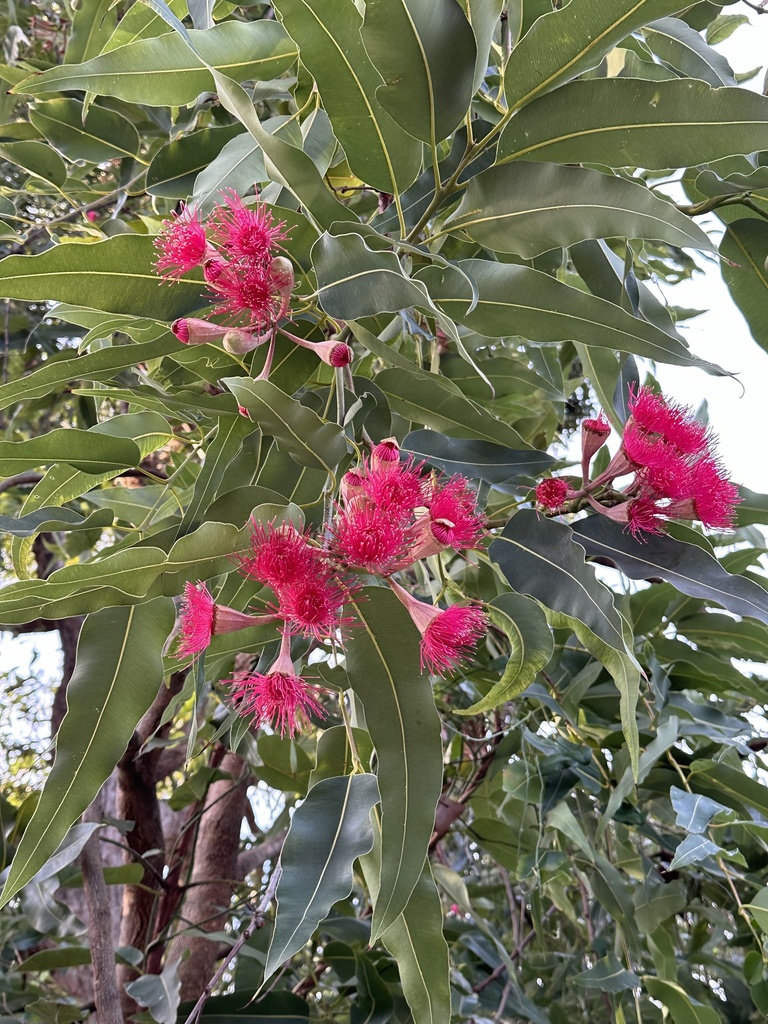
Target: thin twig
[256,922]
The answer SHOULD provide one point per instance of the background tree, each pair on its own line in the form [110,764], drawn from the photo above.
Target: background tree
[329,426]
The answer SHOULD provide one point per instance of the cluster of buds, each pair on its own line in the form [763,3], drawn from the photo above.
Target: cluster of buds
[675,472]
[391,515]
[250,284]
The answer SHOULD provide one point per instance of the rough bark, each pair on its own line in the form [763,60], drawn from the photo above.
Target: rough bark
[100,939]
[209,889]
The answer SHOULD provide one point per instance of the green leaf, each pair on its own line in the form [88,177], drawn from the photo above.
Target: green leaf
[608,975]
[142,22]
[175,167]
[160,72]
[520,301]
[37,159]
[382,661]
[683,1009]
[507,469]
[82,449]
[373,1000]
[160,993]
[694,811]
[47,520]
[334,756]
[55,959]
[529,208]
[118,273]
[99,365]
[296,428]
[354,281]
[688,567]
[328,832]
[726,783]
[434,400]
[745,243]
[531,641]
[416,941]
[429,73]
[377,149]
[231,432]
[275,1008]
[680,46]
[117,676]
[542,558]
[565,43]
[484,16]
[724,26]
[627,122]
[102,135]
[93,24]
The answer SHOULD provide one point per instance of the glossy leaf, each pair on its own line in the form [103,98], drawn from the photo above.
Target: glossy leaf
[687,566]
[530,639]
[37,159]
[354,281]
[745,244]
[538,307]
[429,74]
[223,449]
[680,46]
[99,135]
[483,16]
[117,273]
[328,832]
[82,449]
[377,149]
[142,22]
[530,208]
[175,167]
[116,678]
[161,72]
[694,811]
[382,661]
[567,42]
[48,520]
[507,469]
[296,428]
[626,122]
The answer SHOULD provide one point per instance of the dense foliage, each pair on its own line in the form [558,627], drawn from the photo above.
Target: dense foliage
[412,639]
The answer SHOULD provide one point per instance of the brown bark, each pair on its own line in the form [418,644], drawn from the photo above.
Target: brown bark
[106,995]
[209,890]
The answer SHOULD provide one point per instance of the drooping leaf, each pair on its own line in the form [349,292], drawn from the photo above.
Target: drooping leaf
[117,676]
[102,135]
[328,832]
[745,244]
[429,74]
[82,449]
[506,468]
[530,639]
[175,167]
[528,209]
[681,47]
[567,42]
[382,661]
[483,16]
[427,398]
[161,72]
[116,273]
[627,122]
[160,993]
[296,428]
[688,567]
[378,150]
[531,304]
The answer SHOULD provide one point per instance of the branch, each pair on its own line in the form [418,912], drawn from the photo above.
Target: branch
[256,922]
[106,993]
[30,477]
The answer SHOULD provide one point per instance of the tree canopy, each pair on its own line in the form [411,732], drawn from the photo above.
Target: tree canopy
[413,640]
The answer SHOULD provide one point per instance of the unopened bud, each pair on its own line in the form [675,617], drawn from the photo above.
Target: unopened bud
[239,342]
[190,331]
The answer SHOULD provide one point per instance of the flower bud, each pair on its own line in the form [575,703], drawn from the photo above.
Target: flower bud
[190,331]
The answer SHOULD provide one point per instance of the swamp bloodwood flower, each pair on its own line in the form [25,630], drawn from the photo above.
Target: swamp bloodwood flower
[182,245]
[448,636]
[278,697]
[369,537]
[248,233]
[551,493]
[279,555]
[451,520]
[201,619]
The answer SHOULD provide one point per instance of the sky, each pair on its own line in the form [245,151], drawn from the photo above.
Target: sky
[737,408]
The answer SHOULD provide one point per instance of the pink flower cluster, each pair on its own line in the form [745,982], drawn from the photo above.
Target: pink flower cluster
[675,471]
[390,516]
[237,247]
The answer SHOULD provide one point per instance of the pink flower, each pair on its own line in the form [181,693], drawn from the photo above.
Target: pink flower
[396,486]
[279,556]
[248,291]
[551,494]
[279,698]
[246,232]
[369,537]
[644,515]
[675,423]
[313,605]
[712,500]
[447,637]
[201,619]
[385,452]
[182,244]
